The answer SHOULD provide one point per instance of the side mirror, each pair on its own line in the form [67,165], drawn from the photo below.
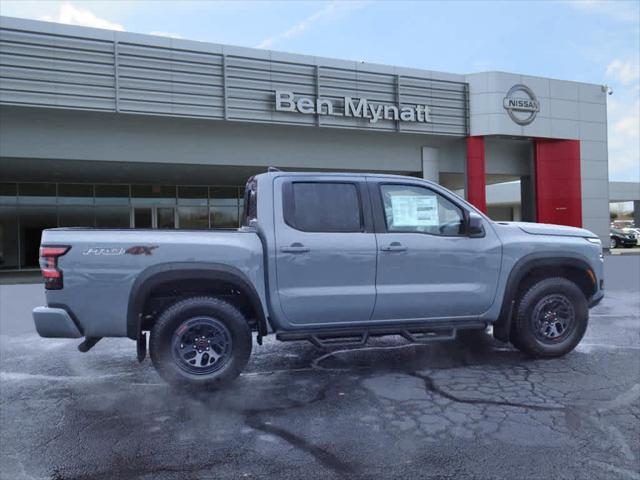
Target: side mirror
[475,227]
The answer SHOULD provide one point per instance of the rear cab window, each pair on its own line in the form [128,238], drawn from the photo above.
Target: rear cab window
[250,209]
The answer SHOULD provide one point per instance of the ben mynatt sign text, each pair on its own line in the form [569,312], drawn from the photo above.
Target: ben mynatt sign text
[351,107]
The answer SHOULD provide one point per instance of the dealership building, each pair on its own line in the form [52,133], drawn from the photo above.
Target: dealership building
[114,129]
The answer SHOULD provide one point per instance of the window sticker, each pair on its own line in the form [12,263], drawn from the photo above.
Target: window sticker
[414,210]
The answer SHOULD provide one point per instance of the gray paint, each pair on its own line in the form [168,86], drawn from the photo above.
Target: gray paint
[469,278]
[59,66]
[333,283]
[624,191]
[507,157]
[431,164]
[92,136]
[91,277]
[54,323]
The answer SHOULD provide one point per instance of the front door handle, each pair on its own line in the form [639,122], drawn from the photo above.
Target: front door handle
[394,247]
[296,247]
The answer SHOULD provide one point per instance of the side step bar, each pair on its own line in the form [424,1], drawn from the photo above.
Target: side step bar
[355,337]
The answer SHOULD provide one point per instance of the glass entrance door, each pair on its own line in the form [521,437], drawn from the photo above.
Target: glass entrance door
[154,217]
[165,217]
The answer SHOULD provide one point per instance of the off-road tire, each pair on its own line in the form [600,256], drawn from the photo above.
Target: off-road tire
[524,336]
[167,325]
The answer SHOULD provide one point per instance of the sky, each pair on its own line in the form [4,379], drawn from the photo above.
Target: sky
[591,41]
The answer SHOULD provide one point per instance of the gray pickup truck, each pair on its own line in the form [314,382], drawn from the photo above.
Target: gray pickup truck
[325,257]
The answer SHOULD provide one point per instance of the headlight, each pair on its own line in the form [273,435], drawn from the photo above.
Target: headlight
[593,240]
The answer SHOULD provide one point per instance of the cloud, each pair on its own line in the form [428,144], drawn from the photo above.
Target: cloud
[71,15]
[623,113]
[628,126]
[624,135]
[167,34]
[625,72]
[621,11]
[330,11]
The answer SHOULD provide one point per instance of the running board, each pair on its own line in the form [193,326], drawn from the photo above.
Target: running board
[351,337]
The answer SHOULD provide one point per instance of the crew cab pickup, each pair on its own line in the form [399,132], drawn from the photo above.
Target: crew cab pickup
[332,258]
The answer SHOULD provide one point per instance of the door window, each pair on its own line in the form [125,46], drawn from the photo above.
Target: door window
[410,208]
[322,207]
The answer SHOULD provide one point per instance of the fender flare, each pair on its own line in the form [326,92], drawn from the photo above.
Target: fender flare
[502,326]
[166,272]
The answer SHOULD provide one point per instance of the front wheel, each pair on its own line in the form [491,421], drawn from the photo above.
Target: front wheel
[614,243]
[551,318]
[201,342]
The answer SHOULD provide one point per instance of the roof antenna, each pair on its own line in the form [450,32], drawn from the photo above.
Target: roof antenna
[273,169]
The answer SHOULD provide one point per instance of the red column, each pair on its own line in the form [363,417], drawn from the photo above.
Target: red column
[476,183]
[558,189]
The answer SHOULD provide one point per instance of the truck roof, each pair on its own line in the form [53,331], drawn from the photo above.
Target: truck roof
[279,173]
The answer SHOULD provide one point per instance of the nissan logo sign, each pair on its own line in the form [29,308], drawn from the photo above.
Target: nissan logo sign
[521,104]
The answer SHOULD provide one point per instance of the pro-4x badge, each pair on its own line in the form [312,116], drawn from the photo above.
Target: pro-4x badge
[141,250]
[103,251]
[112,251]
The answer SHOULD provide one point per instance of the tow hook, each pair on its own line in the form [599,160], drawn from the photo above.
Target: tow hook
[88,343]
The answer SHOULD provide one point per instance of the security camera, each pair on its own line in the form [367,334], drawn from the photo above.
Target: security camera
[607,89]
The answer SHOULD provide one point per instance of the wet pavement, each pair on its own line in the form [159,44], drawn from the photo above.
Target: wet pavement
[473,408]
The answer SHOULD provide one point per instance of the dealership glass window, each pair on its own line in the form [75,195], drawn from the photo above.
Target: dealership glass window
[414,209]
[224,217]
[34,219]
[75,194]
[193,218]
[153,195]
[224,207]
[9,238]
[112,216]
[165,217]
[192,196]
[142,217]
[112,194]
[8,193]
[37,193]
[75,216]
[28,208]
[323,207]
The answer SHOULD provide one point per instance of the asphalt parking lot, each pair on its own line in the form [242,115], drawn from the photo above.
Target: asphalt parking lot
[463,409]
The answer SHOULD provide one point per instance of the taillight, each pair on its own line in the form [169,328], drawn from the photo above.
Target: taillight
[49,266]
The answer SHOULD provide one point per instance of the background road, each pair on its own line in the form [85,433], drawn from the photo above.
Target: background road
[473,409]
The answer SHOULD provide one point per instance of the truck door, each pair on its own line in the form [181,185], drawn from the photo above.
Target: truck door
[325,250]
[428,267]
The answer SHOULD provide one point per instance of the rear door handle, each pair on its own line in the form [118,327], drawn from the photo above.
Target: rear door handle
[296,247]
[394,247]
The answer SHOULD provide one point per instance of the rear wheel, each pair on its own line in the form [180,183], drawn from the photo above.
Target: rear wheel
[201,342]
[551,318]
[614,243]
